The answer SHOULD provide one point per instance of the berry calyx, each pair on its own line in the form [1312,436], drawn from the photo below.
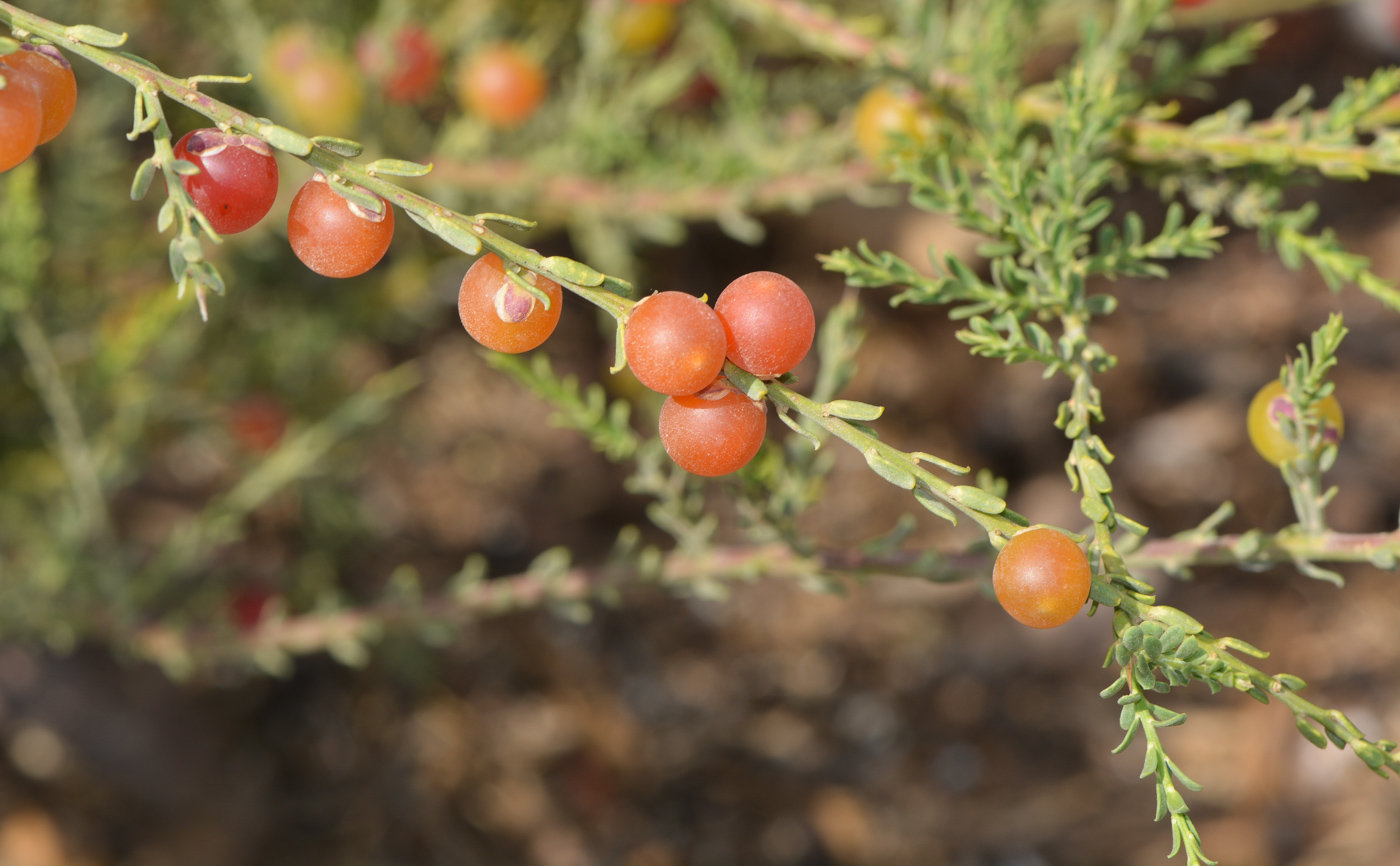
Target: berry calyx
[332,235]
[501,315]
[1266,433]
[674,343]
[237,180]
[1041,577]
[768,323]
[45,71]
[713,432]
[503,85]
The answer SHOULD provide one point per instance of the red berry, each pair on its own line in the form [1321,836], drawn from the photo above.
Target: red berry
[257,424]
[503,85]
[45,71]
[1041,577]
[248,604]
[237,181]
[674,343]
[713,432]
[334,236]
[502,316]
[20,121]
[768,323]
[407,67]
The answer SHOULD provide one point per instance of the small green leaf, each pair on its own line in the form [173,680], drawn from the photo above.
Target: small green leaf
[506,219]
[1240,646]
[359,196]
[889,470]
[852,410]
[90,35]
[8,46]
[397,168]
[141,183]
[339,146]
[1094,509]
[184,167]
[935,505]
[1150,761]
[1132,639]
[571,271]
[1170,616]
[946,466]
[807,434]
[1289,681]
[1176,804]
[978,499]
[286,140]
[166,218]
[1095,474]
[1313,735]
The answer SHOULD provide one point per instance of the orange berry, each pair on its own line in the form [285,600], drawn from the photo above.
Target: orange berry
[502,316]
[1041,577]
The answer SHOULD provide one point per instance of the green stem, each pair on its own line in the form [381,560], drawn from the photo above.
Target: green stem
[73,450]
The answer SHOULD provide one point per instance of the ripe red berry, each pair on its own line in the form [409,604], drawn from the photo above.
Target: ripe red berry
[503,85]
[714,432]
[248,604]
[20,121]
[502,316]
[768,323]
[1041,577]
[237,181]
[674,343]
[256,423]
[334,236]
[45,71]
[407,66]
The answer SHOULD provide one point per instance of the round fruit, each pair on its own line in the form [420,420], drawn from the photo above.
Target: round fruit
[502,316]
[768,323]
[1041,578]
[248,604]
[502,84]
[1269,405]
[406,66]
[237,181]
[882,117]
[320,90]
[45,71]
[334,236]
[674,343]
[713,432]
[20,121]
[642,27]
[256,424]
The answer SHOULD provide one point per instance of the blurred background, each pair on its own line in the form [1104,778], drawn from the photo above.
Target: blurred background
[321,445]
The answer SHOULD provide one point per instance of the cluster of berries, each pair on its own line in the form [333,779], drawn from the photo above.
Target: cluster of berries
[36,102]
[676,345]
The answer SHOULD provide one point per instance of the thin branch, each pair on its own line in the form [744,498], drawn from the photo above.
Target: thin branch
[73,450]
